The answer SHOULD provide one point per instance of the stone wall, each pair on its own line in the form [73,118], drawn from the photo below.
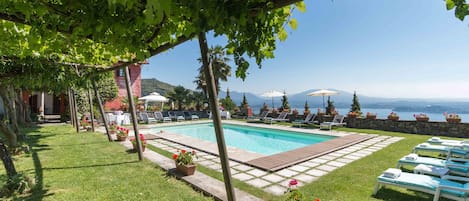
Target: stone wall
[414,127]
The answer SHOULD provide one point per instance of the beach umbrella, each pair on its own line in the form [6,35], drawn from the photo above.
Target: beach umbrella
[153,97]
[323,92]
[272,94]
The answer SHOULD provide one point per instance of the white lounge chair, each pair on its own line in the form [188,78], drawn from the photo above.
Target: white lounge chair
[259,118]
[309,119]
[338,120]
[146,118]
[281,117]
[159,116]
[447,142]
[439,187]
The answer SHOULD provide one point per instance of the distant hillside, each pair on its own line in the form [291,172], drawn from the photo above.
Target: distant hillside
[154,85]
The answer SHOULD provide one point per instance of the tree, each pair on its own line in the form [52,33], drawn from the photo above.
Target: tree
[285,104]
[107,89]
[355,107]
[227,102]
[244,103]
[199,98]
[221,69]
[306,108]
[330,108]
[181,96]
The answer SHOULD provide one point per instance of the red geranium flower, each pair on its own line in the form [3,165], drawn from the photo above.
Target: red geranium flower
[183,151]
[175,156]
[293,182]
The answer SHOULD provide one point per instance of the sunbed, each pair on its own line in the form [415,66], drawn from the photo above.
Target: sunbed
[338,120]
[259,118]
[447,142]
[459,166]
[281,117]
[460,151]
[309,119]
[146,118]
[439,187]
[159,116]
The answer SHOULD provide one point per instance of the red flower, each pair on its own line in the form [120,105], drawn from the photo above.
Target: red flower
[183,151]
[317,199]
[175,156]
[127,131]
[293,182]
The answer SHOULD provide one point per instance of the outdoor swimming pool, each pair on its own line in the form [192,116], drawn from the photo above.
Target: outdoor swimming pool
[259,140]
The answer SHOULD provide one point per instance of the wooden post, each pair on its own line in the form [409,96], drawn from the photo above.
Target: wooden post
[132,112]
[75,112]
[101,109]
[212,92]
[70,107]
[90,100]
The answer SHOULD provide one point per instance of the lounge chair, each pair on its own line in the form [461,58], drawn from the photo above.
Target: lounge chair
[459,166]
[259,118]
[189,116]
[446,142]
[281,117]
[160,117]
[439,187]
[456,151]
[338,120]
[146,118]
[179,116]
[309,119]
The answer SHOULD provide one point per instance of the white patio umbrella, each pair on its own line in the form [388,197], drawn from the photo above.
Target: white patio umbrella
[323,92]
[272,94]
[153,97]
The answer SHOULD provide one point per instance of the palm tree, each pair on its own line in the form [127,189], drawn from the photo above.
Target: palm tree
[181,95]
[199,98]
[220,67]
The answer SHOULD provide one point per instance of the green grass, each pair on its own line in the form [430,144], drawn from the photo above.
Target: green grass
[85,166]
[356,180]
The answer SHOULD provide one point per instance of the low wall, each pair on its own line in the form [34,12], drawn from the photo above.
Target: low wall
[427,128]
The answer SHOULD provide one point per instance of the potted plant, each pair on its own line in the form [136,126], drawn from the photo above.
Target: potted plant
[452,118]
[184,162]
[293,194]
[353,115]
[122,134]
[370,115]
[142,141]
[393,116]
[421,117]
[84,122]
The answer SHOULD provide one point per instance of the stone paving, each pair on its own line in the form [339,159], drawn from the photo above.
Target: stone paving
[305,172]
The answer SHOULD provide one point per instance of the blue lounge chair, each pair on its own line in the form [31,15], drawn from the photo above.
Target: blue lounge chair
[445,150]
[160,117]
[259,118]
[439,187]
[459,166]
[447,142]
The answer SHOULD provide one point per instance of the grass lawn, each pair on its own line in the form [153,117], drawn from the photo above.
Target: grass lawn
[85,166]
[356,180]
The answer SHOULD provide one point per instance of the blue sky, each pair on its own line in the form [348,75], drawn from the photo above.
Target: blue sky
[385,48]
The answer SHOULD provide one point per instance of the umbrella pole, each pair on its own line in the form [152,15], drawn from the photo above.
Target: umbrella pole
[273,103]
[323,106]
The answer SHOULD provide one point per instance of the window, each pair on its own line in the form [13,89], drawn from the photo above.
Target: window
[120,72]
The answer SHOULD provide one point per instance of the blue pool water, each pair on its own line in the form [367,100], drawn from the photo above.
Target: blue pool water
[259,140]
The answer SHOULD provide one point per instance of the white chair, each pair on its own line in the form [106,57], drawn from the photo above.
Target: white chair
[338,120]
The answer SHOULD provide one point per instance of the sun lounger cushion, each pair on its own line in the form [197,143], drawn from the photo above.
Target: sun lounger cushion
[411,157]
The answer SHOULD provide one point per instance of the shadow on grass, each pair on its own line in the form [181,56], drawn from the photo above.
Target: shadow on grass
[392,195]
[90,166]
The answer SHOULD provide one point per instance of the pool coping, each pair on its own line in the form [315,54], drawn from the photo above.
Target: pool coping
[273,162]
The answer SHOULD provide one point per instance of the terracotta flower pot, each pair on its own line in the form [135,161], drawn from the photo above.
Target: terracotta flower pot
[121,138]
[422,119]
[186,169]
[371,116]
[393,118]
[352,116]
[455,121]
[135,146]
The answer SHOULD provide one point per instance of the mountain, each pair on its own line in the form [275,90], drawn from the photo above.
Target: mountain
[341,100]
[154,85]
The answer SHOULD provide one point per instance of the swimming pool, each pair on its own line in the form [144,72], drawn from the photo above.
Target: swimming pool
[259,140]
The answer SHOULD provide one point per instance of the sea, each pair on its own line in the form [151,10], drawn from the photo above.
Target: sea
[383,113]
